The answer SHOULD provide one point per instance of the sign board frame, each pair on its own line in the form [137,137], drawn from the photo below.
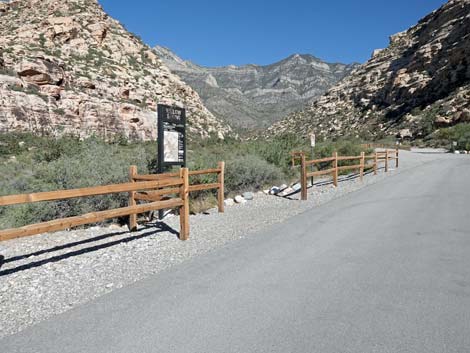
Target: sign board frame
[171,123]
[312,140]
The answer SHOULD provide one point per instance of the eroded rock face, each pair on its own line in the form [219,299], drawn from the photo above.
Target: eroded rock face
[40,71]
[422,76]
[67,67]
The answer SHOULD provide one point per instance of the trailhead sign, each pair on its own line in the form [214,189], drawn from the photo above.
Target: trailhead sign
[171,136]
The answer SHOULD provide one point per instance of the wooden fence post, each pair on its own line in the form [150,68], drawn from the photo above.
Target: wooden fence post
[303,178]
[335,167]
[184,210]
[221,189]
[376,163]
[132,217]
[361,170]
[386,160]
[396,160]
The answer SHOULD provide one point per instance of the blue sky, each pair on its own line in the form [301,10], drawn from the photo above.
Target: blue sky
[216,33]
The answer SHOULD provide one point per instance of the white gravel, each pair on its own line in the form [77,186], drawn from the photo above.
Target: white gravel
[47,274]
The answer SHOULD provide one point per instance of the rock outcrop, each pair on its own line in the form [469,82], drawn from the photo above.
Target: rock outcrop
[66,67]
[256,96]
[419,83]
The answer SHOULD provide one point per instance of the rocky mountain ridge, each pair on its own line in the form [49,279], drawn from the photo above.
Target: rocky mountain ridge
[419,83]
[256,96]
[66,67]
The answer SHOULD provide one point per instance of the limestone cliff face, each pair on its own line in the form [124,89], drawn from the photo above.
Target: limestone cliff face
[418,84]
[256,96]
[66,67]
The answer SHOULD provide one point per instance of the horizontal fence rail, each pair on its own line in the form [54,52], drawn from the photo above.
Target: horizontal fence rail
[384,146]
[90,191]
[161,194]
[181,202]
[334,168]
[152,191]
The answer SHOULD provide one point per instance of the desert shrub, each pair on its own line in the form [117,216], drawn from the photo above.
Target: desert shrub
[344,148]
[459,133]
[59,111]
[349,148]
[7,71]
[250,172]
[47,163]
[276,151]
[202,201]
[94,163]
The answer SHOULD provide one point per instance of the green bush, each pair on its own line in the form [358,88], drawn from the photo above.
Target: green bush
[92,163]
[47,163]
[459,133]
[250,172]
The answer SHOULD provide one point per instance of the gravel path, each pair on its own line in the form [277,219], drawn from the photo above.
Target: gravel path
[47,274]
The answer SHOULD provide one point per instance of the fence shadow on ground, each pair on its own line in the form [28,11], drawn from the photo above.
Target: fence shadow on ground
[342,178]
[155,228]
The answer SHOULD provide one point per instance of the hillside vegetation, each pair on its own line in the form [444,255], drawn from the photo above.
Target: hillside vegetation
[31,164]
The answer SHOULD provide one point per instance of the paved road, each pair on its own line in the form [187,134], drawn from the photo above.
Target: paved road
[385,269]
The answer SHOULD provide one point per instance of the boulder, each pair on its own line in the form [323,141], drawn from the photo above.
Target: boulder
[376,52]
[85,83]
[229,202]
[239,199]
[98,31]
[442,121]
[64,29]
[40,72]
[51,90]
[287,191]
[405,133]
[296,187]
[248,196]
[115,226]
[274,190]
[4,7]
[464,116]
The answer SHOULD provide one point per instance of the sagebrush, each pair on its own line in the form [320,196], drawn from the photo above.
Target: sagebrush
[29,163]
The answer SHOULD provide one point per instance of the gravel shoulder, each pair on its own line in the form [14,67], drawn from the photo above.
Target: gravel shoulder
[47,274]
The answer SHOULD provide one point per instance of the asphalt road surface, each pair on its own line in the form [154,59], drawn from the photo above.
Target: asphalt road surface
[384,269]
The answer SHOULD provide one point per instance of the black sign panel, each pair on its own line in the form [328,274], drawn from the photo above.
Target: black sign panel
[171,136]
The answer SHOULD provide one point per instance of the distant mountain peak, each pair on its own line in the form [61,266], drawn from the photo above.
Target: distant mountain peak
[256,95]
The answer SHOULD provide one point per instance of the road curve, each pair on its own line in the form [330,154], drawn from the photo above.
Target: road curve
[385,269]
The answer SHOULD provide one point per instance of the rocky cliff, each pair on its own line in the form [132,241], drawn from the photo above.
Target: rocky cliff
[256,96]
[419,83]
[67,67]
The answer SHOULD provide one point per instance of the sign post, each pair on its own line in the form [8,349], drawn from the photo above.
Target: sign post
[312,146]
[171,139]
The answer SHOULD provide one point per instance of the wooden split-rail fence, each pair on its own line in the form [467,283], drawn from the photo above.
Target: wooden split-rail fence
[335,166]
[386,146]
[159,191]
